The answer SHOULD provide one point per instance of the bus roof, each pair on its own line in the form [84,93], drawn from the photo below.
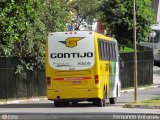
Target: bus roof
[86,32]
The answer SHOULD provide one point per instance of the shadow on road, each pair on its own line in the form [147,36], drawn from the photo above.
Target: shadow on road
[27,105]
[51,105]
[43,105]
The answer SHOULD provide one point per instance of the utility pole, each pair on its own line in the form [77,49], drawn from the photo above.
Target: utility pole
[135,51]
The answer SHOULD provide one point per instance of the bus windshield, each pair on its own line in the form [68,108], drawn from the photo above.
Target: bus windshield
[71,51]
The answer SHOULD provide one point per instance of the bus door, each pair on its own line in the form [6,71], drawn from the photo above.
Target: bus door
[104,63]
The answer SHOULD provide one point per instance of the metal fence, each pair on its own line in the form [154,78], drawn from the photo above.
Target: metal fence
[27,84]
[32,83]
[144,69]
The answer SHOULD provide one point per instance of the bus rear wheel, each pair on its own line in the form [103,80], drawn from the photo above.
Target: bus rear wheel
[114,99]
[104,98]
[61,103]
[75,103]
[101,102]
[98,102]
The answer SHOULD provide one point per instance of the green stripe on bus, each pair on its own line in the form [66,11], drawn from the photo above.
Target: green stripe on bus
[113,76]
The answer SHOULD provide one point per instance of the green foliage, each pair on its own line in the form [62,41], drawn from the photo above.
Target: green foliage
[84,11]
[55,14]
[22,32]
[24,26]
[13,22]
[118,17]
[126,49]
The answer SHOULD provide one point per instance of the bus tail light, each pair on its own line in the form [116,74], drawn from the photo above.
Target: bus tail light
[48,79]
[96,79]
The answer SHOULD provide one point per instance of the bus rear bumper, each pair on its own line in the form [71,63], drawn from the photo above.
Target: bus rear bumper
[74,94]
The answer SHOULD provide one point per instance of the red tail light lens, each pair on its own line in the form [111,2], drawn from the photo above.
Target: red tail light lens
[48,79]
[96,79]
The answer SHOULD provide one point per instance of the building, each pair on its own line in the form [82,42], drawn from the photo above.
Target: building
[156,7]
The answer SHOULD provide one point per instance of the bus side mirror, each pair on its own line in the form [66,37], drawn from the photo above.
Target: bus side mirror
[121,64]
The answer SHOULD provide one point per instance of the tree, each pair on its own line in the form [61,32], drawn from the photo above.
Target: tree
[24,26]
[55,14]
[13,23]
[22,32]
[118,17]
[84,12]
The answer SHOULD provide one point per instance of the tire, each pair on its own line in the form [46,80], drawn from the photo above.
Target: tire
[74,103]
[57,104]
[104,98]
[61,103]
[112,100]
[101,102]
[98,102]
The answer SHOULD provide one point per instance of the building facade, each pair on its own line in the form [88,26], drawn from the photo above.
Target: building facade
[156,7]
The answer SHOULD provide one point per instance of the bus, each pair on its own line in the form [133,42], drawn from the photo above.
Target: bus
[82,66]
[154,43]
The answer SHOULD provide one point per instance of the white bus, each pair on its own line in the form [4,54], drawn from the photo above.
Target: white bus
[154,42]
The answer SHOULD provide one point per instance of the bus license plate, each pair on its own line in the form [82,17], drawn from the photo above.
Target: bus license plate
[76,82]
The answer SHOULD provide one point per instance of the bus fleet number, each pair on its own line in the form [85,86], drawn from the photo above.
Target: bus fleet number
[84,63]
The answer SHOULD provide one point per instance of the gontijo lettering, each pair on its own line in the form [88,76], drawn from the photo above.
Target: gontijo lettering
[72,55]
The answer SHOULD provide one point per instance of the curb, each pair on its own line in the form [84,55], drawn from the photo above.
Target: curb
[142,88]
[23,101]
[141,106]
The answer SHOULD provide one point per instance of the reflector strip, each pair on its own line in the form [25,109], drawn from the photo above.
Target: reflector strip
[58,78]
[73,78]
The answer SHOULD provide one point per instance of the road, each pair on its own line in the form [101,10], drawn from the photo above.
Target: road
[45,109]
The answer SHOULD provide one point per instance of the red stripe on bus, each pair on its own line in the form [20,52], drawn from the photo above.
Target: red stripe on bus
[58,78]
[86,78]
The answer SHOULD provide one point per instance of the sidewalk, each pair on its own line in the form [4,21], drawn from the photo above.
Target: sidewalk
[27,100]
[156,83]
[141,88]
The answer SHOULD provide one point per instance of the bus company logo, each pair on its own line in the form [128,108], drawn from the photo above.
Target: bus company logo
[9,117]
[71,42]
[4,117]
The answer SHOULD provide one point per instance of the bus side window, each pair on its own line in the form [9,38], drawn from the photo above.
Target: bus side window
[114,52]
[101,50]
[107,50]
[112,48]
[110,51]
[99,47]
